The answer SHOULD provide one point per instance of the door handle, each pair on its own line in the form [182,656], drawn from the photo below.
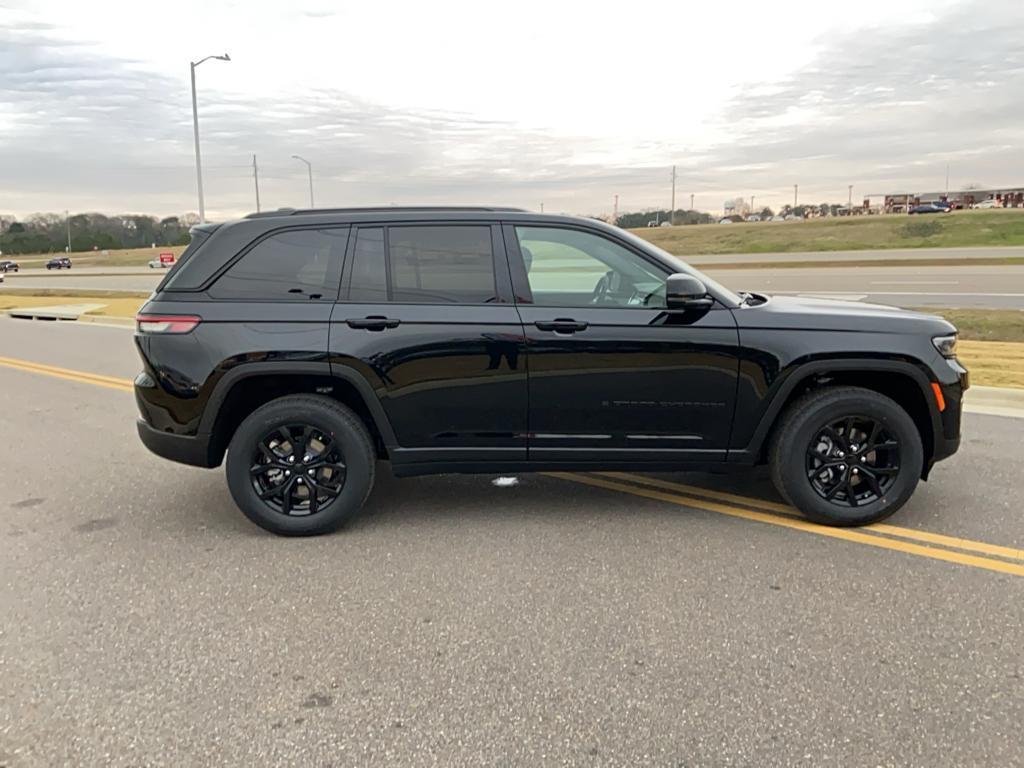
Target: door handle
[561,325]
[373,322]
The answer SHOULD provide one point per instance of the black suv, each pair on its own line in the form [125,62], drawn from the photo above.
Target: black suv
[309,345]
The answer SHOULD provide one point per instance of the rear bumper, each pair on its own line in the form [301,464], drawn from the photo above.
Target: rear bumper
[184,449]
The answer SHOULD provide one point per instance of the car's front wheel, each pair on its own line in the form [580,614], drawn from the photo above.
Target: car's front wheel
[300,465]
[846,456]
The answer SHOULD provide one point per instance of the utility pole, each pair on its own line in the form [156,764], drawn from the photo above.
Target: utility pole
[256,180]
[752,208]
[795,188]
[542,207]
[849,200]
[947,181]
[67,220]
[615,215]
[691,201]
[672,211]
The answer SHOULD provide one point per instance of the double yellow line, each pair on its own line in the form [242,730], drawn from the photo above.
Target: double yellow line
[125,385]
[936,546]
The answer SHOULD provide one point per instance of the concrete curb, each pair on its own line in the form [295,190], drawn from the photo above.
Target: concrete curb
[995,401]
[53,312]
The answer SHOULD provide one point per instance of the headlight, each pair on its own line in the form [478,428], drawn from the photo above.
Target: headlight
[946,345]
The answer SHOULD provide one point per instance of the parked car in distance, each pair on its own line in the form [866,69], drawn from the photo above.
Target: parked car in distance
[311,347]
[7,265]
[160,264]
[61,262]
[984,204]
[929,208]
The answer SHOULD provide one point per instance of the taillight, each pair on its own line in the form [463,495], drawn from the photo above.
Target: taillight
[166,323]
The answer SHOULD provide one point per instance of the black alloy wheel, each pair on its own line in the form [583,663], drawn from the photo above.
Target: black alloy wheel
[846,455]
[298,469]
[853,461]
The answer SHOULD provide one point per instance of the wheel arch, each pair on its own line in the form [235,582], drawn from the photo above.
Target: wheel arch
[246,387]
[900,380]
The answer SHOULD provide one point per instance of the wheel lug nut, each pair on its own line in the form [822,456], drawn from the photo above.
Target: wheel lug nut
[287,472]
[863,458]
[840,454]
[842,467]
[311,473]
[855,470]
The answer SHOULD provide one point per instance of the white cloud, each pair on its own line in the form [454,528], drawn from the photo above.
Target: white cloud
[569,103]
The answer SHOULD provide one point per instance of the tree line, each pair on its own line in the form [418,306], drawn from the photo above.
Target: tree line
[680,216]
[48,232]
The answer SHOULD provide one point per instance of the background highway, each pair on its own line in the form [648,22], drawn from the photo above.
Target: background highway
[997,287]
[558,621]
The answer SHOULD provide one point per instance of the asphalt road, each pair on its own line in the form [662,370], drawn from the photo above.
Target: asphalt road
[146,622]
[994,287]
[987,287]
[887,254]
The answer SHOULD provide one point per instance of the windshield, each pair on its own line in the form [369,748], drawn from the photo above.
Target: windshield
[713,285]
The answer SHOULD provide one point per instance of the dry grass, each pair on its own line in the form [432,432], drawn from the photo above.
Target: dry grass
[994,363]
[957,229]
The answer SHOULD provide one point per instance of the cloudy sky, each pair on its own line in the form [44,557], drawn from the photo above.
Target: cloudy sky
[565,103]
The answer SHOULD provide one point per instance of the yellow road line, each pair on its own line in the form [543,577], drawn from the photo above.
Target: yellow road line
[125,385]
[956,542]
[845,534]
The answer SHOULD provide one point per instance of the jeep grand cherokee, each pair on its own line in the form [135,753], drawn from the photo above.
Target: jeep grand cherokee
[310,345]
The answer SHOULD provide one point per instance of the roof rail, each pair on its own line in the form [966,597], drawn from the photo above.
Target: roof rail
[382,209]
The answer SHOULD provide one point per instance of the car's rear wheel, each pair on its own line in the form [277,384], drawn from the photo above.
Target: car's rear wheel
[300,465]
[846,456]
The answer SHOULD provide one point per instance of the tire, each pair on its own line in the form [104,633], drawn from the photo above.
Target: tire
[795,452]
[322,415]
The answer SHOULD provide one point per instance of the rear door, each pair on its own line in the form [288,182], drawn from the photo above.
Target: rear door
[614,377]
[426,316]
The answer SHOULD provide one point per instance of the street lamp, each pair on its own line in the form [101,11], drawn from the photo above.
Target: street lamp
[309,169]
[195,130]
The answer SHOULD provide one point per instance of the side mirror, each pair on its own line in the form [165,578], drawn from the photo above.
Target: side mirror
[684,291]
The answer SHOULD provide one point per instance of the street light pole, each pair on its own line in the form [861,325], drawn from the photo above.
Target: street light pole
[195,130]
[672,213]
[309,169]
[849,200]
[795,187]
[67,220]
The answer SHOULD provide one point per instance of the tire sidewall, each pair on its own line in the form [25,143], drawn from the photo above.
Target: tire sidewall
[807,425]
[354,447]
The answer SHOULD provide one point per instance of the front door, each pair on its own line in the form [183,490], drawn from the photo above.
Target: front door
[613,376]
[426,317]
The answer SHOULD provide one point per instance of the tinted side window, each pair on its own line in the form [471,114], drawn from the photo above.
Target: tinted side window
[299,265]
[368,278]
[441,265]
[569,268]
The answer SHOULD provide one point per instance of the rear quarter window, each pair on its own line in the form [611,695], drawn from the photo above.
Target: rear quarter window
[295,265]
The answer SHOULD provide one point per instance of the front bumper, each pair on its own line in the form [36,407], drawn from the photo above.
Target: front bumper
[184,449]
[947,437]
